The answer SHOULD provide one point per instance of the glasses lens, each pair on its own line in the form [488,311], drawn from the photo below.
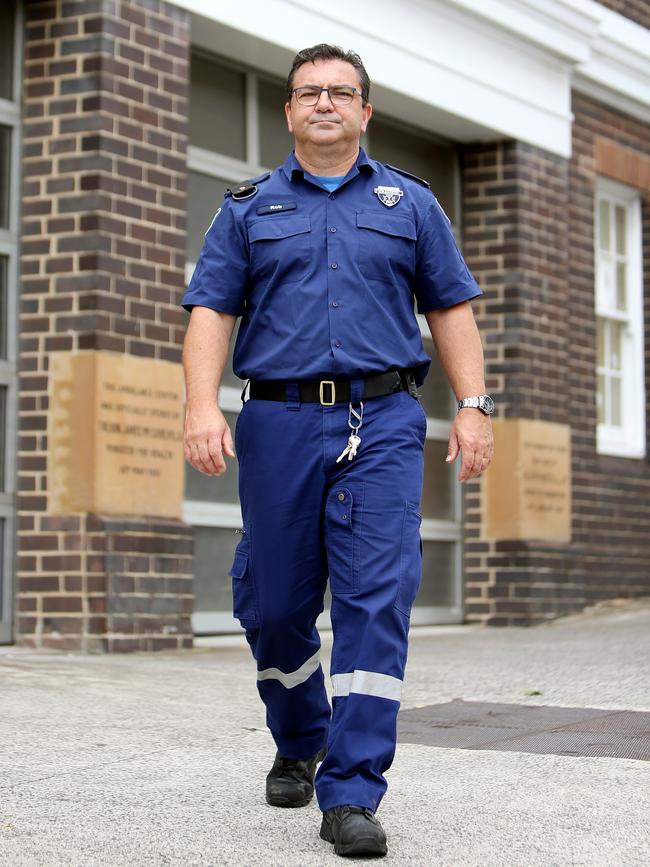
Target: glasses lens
[307,95]
[342,95]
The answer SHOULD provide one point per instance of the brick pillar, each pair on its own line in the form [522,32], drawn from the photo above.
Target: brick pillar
[103,256]
[515,200]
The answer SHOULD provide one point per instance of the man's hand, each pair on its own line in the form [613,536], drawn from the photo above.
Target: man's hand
[471,433]
[206,437]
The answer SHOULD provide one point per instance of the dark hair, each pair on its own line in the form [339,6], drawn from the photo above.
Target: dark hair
[323,51]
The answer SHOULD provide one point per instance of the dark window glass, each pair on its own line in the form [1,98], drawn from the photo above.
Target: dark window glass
[214,549]
[423,155]
[7,50]
[438,572]
[439,486]
[275,141]
[217,108]
[204,197]
[5,174]
[3,433]
[3,306]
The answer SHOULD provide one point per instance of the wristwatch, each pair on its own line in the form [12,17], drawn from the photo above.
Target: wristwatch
[483,402]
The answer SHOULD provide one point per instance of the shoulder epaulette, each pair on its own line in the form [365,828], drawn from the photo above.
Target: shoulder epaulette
[247,189]
[409,175]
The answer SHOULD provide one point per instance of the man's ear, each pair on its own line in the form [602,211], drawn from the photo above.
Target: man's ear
[287,114]
[366,114]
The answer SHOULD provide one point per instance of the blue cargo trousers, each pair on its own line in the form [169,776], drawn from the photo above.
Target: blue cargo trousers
[306,518]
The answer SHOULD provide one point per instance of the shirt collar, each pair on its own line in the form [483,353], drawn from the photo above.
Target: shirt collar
[292,167]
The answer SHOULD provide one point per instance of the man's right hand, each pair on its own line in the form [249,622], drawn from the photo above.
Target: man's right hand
[206,437]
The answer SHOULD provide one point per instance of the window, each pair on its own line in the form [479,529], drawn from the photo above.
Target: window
[620,393]
[10,27]
[237,131]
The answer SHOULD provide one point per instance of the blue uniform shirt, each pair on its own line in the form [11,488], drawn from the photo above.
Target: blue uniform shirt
[325,281]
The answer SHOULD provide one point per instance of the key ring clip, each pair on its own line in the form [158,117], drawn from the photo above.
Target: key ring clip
[358,415]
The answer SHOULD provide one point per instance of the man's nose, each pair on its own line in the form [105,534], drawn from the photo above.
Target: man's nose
[324,101]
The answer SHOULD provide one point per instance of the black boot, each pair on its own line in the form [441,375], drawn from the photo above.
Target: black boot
[354,831]
[290,782]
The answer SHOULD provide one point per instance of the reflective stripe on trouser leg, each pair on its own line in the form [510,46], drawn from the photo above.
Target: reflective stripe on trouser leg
[279,455]
[374,559]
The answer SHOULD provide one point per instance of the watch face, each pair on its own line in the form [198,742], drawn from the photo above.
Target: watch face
[487,404]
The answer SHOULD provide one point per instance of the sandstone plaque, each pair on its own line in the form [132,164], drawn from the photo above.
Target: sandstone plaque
[116,435]
[528,485]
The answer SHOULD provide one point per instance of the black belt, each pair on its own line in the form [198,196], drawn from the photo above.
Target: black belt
[328,392]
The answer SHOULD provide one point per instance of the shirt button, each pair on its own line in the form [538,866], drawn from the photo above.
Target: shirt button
[335,303]
[335,265]
[337,343]
[341,497]
[332,229]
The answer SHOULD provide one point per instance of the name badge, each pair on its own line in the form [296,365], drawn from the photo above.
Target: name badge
[274,209]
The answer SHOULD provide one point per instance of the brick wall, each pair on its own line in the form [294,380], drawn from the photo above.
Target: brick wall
[611,495]
[636,10]
[528,237]
[103,257]
[515,228]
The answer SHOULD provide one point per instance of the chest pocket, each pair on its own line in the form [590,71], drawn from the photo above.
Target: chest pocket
[386,245]
[280,248]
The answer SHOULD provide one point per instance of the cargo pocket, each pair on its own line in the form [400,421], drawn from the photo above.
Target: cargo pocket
[243,587]
[343,514]
[410,560]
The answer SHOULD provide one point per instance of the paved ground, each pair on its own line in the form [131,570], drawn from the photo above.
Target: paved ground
[156,759]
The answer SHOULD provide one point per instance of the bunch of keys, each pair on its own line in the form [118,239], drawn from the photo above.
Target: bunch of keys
[354,440]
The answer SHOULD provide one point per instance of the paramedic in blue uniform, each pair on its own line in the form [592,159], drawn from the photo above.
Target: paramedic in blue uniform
[325,259]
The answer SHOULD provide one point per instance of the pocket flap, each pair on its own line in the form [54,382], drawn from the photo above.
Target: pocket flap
[274,227]
[389,224]
[240,564]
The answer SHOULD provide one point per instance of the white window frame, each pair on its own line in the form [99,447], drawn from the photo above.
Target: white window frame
[628,440]
[9,244]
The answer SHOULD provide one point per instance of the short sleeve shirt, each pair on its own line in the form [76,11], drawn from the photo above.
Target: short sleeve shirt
[326,282]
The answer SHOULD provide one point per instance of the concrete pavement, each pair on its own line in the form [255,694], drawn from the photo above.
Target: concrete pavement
[160,759]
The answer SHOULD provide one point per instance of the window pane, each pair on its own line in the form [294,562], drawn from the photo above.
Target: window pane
[615,408]
[204,197]
[438,488]
[615,341]
[214,549]
[603,222]
[621,246]
[215,489]
[438,568]
[621,288]
[3,433]
[275,141]
[437,396]
[5,170]
[217,108]
[4,263]
[424,156]
[7,50]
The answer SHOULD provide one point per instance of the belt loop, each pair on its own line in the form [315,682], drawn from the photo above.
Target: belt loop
[293,396]
[356,390]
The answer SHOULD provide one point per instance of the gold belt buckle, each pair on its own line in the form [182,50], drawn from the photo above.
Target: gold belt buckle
[329,382]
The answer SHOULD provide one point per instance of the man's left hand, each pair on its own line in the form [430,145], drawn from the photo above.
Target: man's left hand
[471,434]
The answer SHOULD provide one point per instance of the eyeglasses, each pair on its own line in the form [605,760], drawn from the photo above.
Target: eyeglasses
[340,94]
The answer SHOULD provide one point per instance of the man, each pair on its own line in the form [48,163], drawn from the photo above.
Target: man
[323,259]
